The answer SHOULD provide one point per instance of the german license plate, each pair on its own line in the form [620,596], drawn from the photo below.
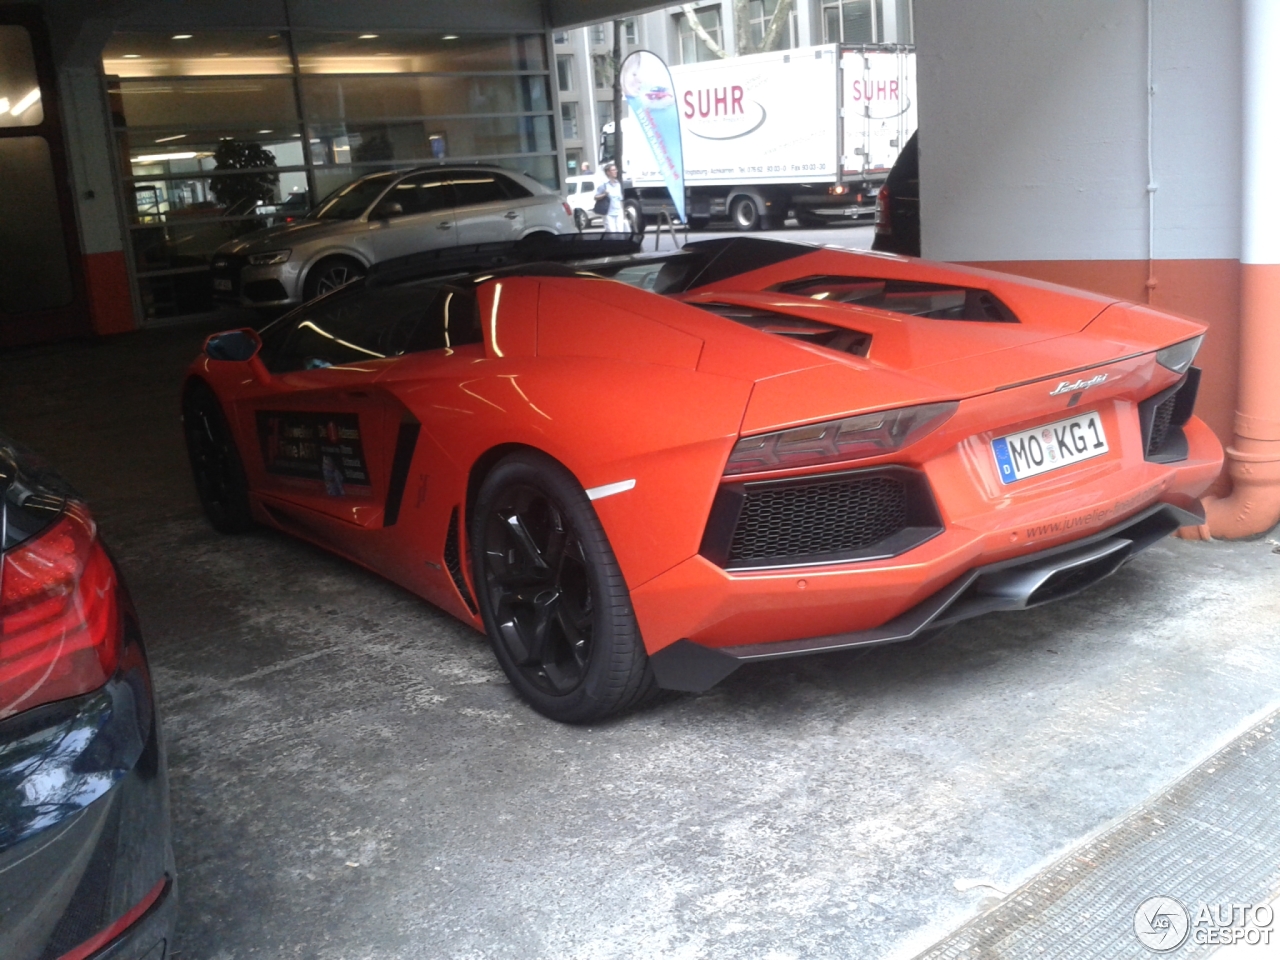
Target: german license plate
[1054,445]
[219,284]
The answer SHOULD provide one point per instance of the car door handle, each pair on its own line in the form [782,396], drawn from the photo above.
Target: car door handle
[443,225]
[511,214]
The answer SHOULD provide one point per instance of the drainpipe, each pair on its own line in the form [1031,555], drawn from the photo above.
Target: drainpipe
[1253,456]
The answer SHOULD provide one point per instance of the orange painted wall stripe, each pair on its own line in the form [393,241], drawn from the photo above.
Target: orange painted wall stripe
[106,280]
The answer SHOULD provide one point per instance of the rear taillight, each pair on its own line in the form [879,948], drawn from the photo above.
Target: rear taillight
[60,630]
[884,226]
[567,209]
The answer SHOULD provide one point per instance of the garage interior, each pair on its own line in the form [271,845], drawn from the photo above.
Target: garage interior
[352,776]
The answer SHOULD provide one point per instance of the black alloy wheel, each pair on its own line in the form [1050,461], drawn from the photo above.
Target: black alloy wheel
[215,462]
[581,219]
[330,274]
[553,599]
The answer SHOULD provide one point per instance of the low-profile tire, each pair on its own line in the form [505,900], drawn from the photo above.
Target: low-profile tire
[582,219]
[553,599]
[215,462]
[744,213]
[330,274]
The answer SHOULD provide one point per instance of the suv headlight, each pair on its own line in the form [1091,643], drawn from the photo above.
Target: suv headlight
[1178,357]
[267,259]
[854,438]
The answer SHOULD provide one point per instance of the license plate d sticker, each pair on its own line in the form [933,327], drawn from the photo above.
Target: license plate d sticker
[1054,445]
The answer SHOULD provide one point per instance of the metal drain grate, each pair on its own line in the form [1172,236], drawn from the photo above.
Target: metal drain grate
[1212,838]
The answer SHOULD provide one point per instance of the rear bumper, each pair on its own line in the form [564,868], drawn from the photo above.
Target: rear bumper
[1015,584]
[85,856]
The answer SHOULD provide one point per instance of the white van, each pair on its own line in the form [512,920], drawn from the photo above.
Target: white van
[580,193]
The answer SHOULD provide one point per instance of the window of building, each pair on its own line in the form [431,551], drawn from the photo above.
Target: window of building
[867,21]
[569,120]
[561,37]
[597,33]
[20,100]
[602,70]
[760,15]
[629,32]
[573,161]
[564,73]
[693,47]
[604,113]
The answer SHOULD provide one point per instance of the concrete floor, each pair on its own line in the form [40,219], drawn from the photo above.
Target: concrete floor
[353,777]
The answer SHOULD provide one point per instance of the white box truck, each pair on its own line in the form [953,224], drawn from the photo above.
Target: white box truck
[810,132]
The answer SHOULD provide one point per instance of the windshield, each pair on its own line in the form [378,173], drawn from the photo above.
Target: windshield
[347,203]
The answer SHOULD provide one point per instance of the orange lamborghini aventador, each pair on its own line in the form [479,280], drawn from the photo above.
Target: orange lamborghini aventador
[640,471]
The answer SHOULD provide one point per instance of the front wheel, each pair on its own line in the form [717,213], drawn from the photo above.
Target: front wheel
[552,596]
[330,274]
[215,463]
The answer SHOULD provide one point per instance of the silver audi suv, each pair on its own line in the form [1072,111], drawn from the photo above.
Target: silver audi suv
[378,217]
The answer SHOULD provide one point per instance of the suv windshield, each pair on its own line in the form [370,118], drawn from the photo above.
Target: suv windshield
[347,203]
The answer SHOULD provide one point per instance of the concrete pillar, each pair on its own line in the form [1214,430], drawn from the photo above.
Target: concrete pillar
[86,127]
[1253,456]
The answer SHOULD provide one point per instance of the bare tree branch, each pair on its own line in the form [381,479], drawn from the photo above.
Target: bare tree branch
[701,31]
[778,23]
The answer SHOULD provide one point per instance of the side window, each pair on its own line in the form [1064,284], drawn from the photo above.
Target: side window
[514,190]
[424,193]
[349,327]
[477,188]
[588,186]
[452,319]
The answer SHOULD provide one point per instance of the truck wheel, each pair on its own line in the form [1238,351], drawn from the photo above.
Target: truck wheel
[582,219]
[745,213]
[635,217]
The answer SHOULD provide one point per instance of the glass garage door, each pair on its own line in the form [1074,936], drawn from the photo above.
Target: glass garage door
[222,133]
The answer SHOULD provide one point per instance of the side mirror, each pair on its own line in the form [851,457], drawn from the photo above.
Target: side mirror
[387,209]
[238,346]
[234,345]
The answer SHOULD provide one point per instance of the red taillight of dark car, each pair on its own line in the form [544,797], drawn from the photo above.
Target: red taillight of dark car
[60,629]
[884,225]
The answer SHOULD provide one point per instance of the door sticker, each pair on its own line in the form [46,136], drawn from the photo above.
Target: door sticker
[320,447]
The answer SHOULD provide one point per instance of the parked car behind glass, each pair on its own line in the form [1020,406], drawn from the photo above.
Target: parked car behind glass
[378,217]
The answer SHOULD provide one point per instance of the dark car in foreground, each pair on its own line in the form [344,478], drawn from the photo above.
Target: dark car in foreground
[86,867]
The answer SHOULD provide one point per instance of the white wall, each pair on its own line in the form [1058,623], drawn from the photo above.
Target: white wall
[1033,129]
